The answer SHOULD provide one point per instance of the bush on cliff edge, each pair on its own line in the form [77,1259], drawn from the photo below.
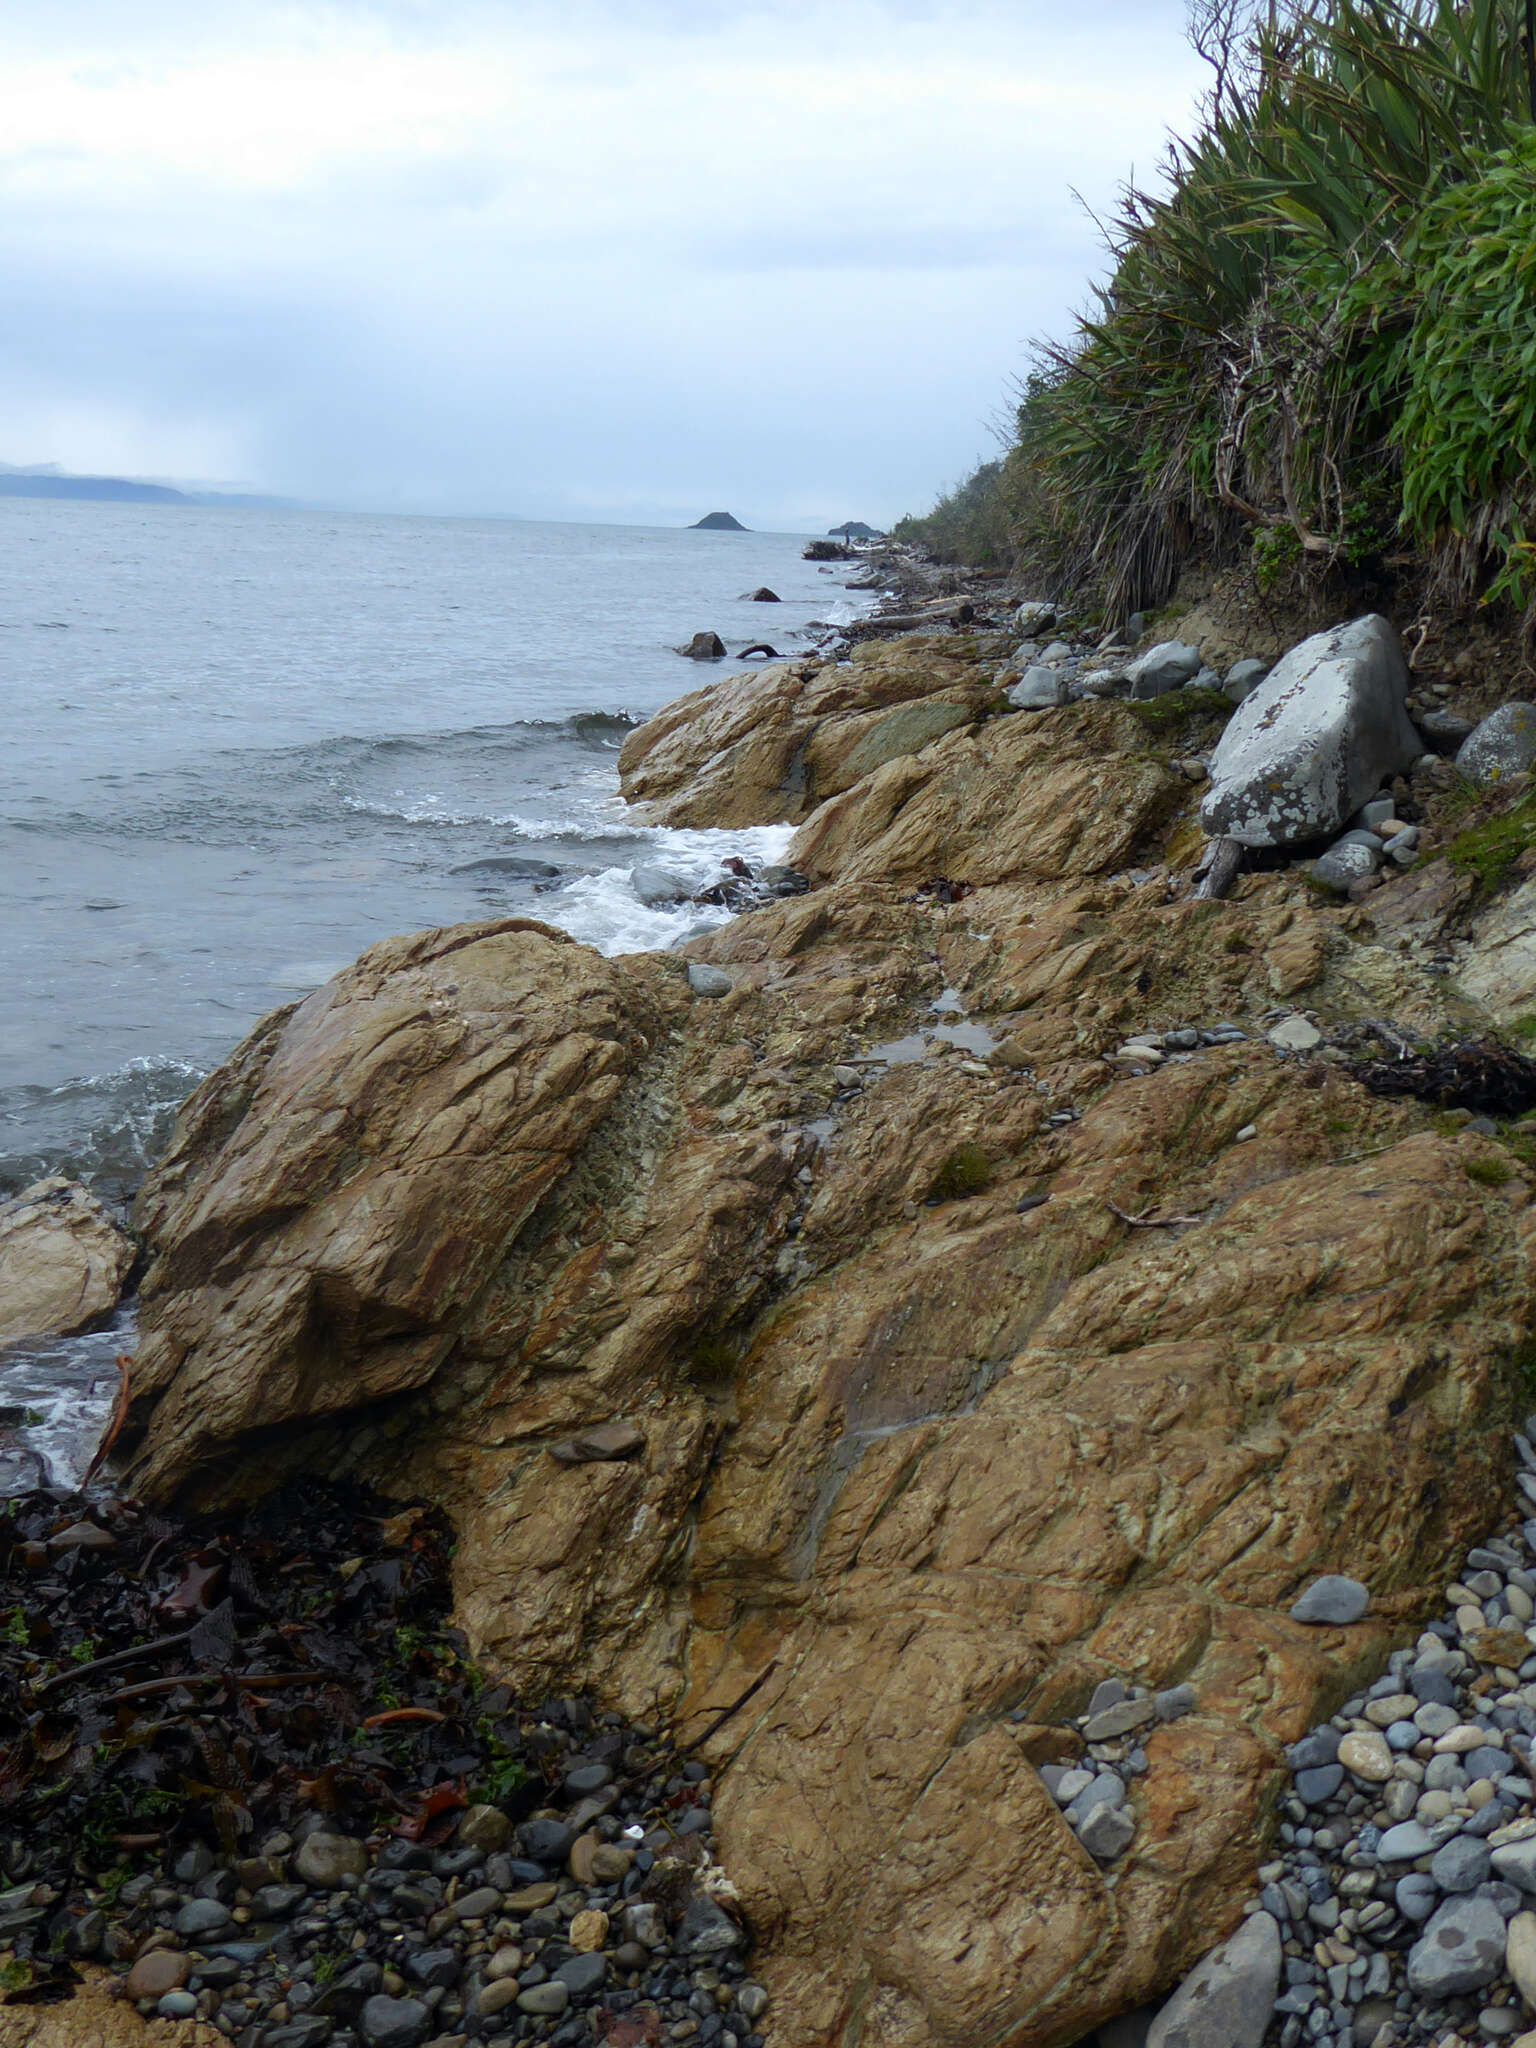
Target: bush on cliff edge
[1318,342]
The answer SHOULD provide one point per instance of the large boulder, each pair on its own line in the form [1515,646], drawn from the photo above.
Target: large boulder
[1168,666]
[916,1472]
[1319,735]
[63,1261]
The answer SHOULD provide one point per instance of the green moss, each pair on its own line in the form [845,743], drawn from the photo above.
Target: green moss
[1520,1145]
[966,1172]
[713,1358]
[1490,850]
[1489,1173]
[1177,708]
[1524,1029]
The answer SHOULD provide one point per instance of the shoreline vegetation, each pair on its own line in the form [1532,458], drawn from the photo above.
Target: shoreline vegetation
[1315,358]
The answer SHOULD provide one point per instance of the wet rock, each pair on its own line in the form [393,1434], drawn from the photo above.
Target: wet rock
[655,886]
[704,647]
[62,1261]
[327,1861]
[394,2022]
[1320,735]
[1225,2002]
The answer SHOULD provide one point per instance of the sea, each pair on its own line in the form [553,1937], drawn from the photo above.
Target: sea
[240,745]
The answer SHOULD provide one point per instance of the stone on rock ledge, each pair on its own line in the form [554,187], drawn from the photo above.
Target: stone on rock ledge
[1503,745]
[1320,735]
[705,980]
[604,1442]
[1296,1034]
[1332,1601]
[62,1261]
[1225,2001]
[1168,666]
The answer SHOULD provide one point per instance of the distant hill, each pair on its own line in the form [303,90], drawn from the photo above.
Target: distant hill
[115,490]
[719,522]
[855,529]
[47,480]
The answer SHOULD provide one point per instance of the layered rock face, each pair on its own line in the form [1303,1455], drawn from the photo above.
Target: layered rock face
[920,1438]
[765,747]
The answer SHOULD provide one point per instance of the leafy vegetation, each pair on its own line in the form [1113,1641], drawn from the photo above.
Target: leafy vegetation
[1318,344]
[969,524]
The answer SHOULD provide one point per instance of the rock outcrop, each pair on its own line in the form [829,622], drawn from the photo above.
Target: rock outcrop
[860,1401]
[767,746]
[63,1261]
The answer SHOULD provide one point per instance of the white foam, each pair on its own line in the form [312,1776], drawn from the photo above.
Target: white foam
[603,910]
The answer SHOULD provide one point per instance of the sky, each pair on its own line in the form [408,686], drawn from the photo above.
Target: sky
[581,260]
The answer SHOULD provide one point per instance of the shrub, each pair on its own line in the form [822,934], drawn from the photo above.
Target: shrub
[1319,338]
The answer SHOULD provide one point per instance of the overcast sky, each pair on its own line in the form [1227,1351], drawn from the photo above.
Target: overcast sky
[576,260]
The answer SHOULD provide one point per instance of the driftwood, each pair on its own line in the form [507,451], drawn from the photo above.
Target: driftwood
[1146,1221]
[1222,870]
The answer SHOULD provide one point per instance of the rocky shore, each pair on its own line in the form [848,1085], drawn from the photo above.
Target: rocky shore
[1000,1352]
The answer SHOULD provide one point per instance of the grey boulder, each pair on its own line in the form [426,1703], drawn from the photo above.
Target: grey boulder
[1343,864]
[1035,617]
[1168,666]
[1319,735]
[394,2022]
[1039,689]
[1461,1949]
[1225,2001]
[708,981]
[658,885]
[1332,1601]
[1503,745]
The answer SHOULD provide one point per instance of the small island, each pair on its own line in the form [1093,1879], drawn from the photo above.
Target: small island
[719,522]
[855,529]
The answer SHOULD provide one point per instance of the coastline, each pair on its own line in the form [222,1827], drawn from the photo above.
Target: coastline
[996,1039]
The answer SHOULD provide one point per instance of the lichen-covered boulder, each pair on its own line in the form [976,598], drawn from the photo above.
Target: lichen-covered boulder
[1319,735]
[1504,744]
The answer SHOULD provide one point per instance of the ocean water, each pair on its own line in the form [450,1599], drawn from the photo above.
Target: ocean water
[240,746]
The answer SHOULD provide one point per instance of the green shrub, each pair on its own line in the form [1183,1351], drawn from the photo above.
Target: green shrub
[1321,336]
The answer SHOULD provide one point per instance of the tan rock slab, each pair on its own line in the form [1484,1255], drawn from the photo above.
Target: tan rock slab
[62,1261]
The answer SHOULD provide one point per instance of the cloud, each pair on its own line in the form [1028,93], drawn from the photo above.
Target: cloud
[518,256]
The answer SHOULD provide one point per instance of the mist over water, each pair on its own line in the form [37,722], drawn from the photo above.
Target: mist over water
[242,746]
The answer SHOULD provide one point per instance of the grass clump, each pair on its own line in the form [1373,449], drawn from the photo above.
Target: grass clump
[966,1172]
[1489,1173]
[1490,850]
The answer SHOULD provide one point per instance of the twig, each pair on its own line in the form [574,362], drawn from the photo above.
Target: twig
[265,1681]
[113,1429]
[734,1708]
[1146,1221]
[394,1714]
[139,1654]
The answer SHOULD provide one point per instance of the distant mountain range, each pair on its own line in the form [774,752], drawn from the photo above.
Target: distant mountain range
[47,480]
